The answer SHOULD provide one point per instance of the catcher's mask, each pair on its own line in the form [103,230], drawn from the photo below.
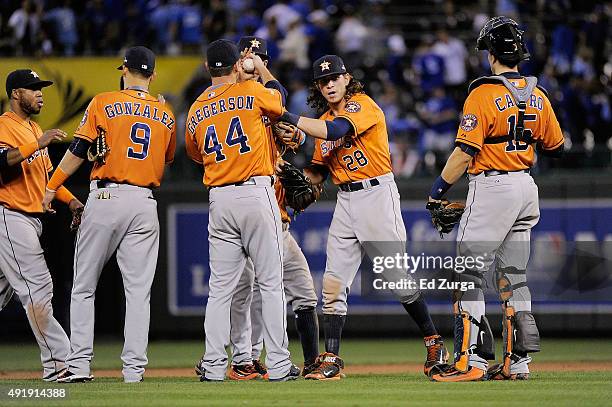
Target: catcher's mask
[502,38]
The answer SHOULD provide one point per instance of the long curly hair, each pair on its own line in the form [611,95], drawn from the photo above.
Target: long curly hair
[319,103]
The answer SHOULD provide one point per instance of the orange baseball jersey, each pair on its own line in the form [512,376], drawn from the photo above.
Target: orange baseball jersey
[140,132]
[279,191]
[280,198]
[225,131]
[22,187]
[490,111]
[363,154]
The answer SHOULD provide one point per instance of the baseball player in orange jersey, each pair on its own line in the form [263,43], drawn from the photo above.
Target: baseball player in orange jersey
[121,212]
[226,133]
[352,144]
[247,328]
[24,168]
[505,117]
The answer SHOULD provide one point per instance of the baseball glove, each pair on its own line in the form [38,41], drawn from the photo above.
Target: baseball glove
[445,215]
[99,149]
[76,219]
[287,135]
[299,191]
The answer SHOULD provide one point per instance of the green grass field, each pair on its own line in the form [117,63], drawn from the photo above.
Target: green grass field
[547,388]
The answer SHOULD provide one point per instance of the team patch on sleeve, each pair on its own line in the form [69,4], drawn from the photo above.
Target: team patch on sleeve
[469,122]
[352,107]
[84,119]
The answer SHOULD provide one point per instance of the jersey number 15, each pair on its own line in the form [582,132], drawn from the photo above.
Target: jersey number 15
[514,145]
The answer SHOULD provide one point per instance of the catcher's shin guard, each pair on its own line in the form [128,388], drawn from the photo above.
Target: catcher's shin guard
[462,330]
[520,332]
[484,346]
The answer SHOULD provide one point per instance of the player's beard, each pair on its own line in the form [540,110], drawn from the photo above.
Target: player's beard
[29,107]
[121,83]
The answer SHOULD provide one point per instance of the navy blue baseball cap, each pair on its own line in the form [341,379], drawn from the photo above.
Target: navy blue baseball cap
[258,45]
[26,79]
[139,58]
[328,65]
[222,54]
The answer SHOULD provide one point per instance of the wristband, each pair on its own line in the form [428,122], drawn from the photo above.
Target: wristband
[290,118]
[439,188]
[28,149]
[63,195]
[57,180]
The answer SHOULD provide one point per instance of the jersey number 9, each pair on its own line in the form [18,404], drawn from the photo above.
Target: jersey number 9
[235,136]
[140,135]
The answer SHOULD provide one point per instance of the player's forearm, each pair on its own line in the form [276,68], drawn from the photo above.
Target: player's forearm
[68,166]
[14,156]
[456,165]
[453,170]
[10,157]
[322,129]
[313,127]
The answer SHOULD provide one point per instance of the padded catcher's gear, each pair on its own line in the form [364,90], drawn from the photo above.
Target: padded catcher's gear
[502,38]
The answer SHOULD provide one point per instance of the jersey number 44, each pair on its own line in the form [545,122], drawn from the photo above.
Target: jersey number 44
[235,136]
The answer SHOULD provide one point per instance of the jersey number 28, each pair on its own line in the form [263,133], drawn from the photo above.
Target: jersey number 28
[356,160]
[234,136]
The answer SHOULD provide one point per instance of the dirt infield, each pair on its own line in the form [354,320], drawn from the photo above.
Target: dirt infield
[354,369]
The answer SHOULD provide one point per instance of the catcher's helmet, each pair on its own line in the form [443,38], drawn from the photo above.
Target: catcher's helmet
[502,38]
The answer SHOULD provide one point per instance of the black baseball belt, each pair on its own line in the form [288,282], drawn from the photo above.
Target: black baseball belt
[359,185]
[490,173]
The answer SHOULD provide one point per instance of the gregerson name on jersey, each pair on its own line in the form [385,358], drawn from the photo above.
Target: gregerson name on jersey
[220,106]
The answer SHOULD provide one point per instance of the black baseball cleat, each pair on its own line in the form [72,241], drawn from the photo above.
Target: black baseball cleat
[68,377]
[261,369]
[496,372]
[292,374]
[206,379]
[51,377]
[199,370]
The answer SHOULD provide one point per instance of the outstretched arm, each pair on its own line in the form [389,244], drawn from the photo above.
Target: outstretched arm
[71,162]
[323,129]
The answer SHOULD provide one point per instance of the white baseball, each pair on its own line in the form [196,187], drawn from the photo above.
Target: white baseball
[248,65]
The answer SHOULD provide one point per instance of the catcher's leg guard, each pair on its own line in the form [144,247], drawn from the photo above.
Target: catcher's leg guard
[520,333]
[484,346]
[469,311]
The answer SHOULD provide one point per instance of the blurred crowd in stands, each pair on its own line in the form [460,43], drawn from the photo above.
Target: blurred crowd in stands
[416,58]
